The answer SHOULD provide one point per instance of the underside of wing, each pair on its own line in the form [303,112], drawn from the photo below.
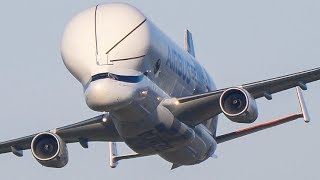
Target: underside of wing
[193,110]
[274,85]
[100,128]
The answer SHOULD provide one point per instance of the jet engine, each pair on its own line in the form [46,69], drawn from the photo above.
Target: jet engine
[238,105]
[49,150]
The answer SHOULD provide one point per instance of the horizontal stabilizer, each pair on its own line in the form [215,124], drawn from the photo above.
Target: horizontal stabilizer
[131,156]
[256,128]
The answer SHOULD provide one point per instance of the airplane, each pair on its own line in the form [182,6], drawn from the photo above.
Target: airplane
[152,95]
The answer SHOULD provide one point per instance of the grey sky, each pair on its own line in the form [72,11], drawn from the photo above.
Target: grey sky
[238,42]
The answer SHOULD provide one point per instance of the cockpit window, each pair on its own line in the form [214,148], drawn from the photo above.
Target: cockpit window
[129,79]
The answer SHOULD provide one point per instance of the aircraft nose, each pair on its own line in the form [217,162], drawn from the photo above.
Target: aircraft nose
[105,95]
[96,96]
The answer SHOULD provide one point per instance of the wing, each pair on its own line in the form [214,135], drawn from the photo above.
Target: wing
[94,129]
[193,110]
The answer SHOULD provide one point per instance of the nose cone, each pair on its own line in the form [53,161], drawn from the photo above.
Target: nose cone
[105,35]
[106,95]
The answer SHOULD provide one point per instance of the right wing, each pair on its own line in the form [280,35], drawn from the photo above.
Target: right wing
[195,109]
[94,129]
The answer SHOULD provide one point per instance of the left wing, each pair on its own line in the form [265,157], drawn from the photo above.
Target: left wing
[193,110]
[95,129]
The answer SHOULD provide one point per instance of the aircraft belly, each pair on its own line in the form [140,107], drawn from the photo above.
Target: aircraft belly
[146,134]
[201,148]
[147,127]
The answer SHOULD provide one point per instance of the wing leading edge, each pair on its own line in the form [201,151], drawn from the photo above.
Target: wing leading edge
[193,110]
[95,129]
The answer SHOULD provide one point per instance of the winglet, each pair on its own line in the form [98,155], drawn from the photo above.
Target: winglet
[303,106]
[188,43]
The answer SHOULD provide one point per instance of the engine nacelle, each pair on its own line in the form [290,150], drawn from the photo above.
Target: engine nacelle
[49,150]
[238,105]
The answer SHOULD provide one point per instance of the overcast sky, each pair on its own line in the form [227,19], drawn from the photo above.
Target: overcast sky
[238,41]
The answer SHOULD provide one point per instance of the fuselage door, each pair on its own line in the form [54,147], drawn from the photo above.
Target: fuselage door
[115,33]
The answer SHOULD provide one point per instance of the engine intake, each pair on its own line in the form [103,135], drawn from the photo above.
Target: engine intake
[49,150]
[238,105]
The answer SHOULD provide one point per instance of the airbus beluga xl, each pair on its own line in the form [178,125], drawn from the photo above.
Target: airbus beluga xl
[152,95]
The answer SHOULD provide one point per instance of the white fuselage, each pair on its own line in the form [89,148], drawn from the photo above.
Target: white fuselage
[127,67]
